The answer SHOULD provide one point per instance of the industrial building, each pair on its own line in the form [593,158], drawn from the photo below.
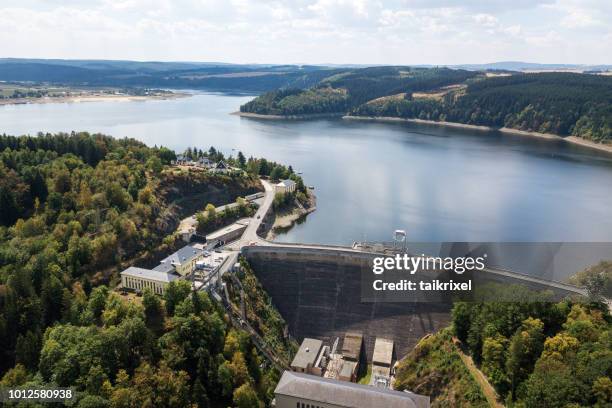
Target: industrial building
[298,390]
[229,233]
[184,260]
[139,279]
[171,268]
[352,350]
[382,361]
[307,356]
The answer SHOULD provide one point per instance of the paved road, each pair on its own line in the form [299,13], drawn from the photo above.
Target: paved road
[250,234]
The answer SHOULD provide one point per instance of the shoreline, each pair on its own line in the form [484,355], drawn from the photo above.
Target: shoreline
[287,117]
[606,148]
[421,121]
[284,222]
[91,98]
[587,143]
[575,140]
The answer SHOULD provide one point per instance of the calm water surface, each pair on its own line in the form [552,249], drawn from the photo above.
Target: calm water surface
[439,184]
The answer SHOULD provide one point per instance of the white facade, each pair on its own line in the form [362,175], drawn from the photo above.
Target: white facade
[285,186]
[139,279]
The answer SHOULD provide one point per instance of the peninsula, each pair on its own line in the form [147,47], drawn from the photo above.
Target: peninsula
[571,106]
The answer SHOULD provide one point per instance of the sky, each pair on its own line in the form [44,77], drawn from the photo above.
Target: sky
[311,31]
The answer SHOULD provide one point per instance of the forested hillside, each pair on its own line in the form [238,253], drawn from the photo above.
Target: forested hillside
[536,354]
[558,103]
[344,91]
[434,368]
[75,209]
[541,354]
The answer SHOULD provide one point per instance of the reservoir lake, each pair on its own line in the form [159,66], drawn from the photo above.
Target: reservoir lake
[371,178]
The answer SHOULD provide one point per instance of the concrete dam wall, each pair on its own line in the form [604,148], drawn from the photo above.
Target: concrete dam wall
[318,293]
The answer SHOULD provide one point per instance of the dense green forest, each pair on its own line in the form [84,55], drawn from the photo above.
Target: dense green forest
[542,354]
[75,208]
[299,102]
[341,92]
[559,103]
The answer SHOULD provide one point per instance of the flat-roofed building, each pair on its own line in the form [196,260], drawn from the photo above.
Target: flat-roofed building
[229,233]
[348,372]
[382,361]
[383,352]
[298,390]
[306,357]
[139,279]
[352,347]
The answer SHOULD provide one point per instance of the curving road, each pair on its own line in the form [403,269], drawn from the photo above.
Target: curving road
[250,234]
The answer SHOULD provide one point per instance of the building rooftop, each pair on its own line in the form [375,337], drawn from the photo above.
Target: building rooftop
[383,351]
[345,394]
[182,256]
[307,353]
[348,368]
[351,346]
[149,274]
[242,223]
[163,267]
[286,183]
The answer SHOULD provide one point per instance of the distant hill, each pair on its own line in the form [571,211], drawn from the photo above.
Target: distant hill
[530,66]
[192,75]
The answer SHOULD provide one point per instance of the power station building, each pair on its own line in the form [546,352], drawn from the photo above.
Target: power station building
[298,390]
[139,279]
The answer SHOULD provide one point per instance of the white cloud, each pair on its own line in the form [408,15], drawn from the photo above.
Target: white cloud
[314,31]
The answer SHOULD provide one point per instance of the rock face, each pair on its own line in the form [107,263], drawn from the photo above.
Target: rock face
[319,295]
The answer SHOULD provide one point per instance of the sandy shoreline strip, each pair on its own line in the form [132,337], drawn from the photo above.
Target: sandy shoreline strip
[587,143]
[422,121]
[511,131]
[91,98]
[287,117]
[548,136]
